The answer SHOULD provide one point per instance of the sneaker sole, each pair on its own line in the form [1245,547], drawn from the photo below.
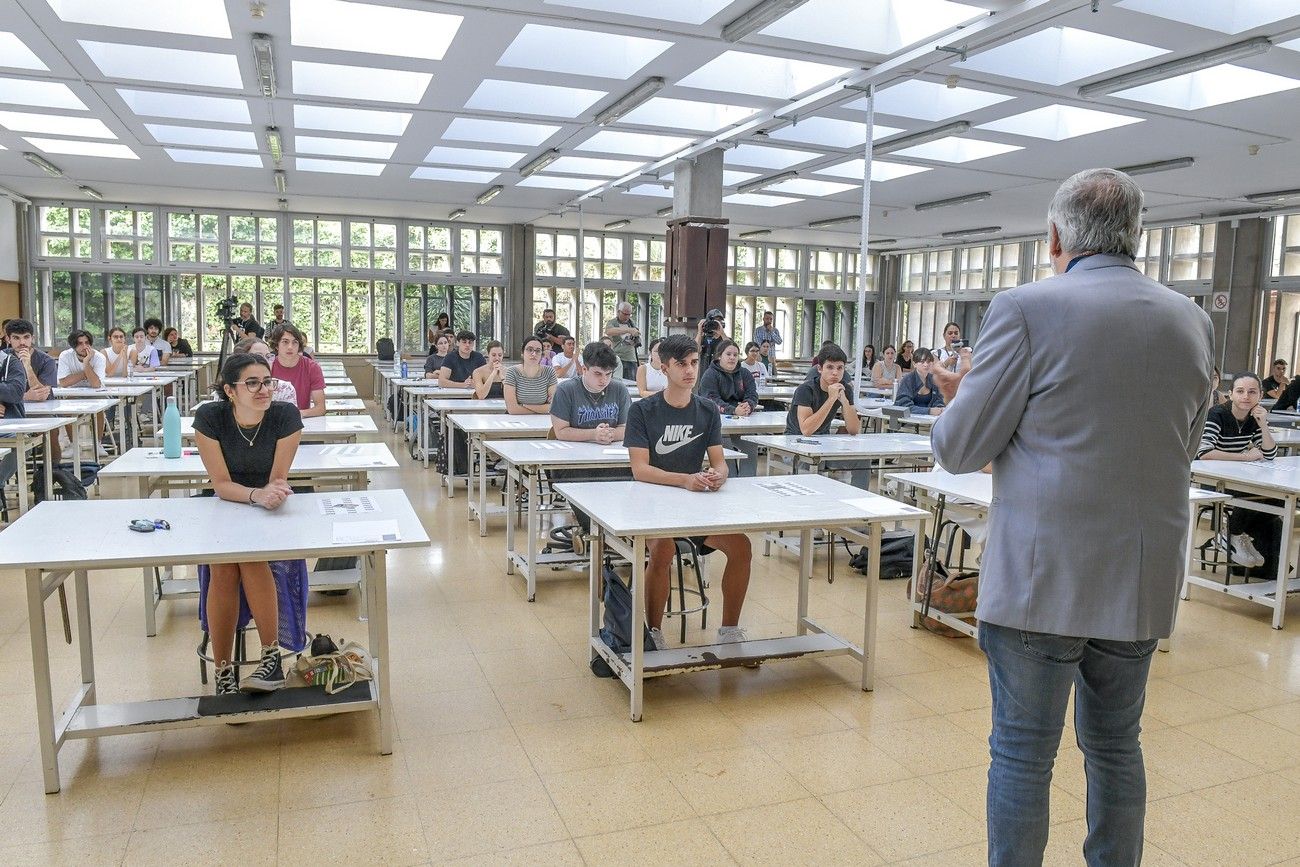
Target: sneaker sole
[251,685]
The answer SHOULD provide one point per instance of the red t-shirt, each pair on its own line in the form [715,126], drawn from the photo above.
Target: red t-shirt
[306,377]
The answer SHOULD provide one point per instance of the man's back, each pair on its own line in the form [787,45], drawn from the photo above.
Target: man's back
[1090,445]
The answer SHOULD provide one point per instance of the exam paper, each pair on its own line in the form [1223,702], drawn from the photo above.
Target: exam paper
[362,532]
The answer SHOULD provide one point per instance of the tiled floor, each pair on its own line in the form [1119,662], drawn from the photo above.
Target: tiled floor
[509,751]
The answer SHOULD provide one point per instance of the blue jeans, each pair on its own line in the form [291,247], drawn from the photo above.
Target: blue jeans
[1030,675]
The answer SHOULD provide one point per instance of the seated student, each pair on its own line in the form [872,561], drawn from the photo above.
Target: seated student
[115,353]
[488,379]
[437,355]
[668,436]
[246,442]
[866,363]
[1277,380]
[754,364]
[458,367]
[765,356]
[284,390]
[142,356]
[80,366]
[13,384]
[649,378]
[727,385]
[916,390]
[529,386]
[886,372]
[816,404]
[905,356]
[302,372]
[1238,431]
[566,363]
[153,330]
[180,346]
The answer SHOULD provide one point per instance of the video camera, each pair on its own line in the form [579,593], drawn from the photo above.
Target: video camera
[227,310]
[713,321]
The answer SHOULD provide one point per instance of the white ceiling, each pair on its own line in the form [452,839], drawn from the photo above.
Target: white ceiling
[440,90]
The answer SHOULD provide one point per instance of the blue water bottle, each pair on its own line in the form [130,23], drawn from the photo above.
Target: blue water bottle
[171,430]
[405,369]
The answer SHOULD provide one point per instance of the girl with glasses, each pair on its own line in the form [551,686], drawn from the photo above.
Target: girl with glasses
[284,389]
[247,443]
[529,386]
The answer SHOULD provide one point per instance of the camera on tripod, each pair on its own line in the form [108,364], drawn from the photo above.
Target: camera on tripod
[713,321]
[227,311]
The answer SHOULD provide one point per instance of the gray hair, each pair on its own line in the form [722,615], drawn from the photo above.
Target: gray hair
[625,307]
[1098,211]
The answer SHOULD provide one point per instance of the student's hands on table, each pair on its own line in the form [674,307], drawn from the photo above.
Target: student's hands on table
[273,495]
[604,434]
[1252,455]
[743,409]
[704,481]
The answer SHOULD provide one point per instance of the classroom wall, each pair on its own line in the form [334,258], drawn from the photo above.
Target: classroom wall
[8,241]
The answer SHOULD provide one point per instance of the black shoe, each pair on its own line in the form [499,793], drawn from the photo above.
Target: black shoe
[225,682]
[268,676]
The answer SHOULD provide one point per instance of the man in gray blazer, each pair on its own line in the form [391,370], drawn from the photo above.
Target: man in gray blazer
[1091,449]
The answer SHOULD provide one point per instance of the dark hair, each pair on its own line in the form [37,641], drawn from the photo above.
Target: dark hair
[751,345]
[870,346]
[831,352]
[679,347]
[722,347]
[956,325]
[441,316]
[76,334]
[19,326]
[548,310]
[1247,375]
[465,334]
[1281,361]
[139,329]
[280,331]
[108,335]
[231,370]
[905,343]
[494,344]
[922,355]
[170,331]
[888,346]
[653,344]
[153,322]
[597,354]
[275,307]
[532,338]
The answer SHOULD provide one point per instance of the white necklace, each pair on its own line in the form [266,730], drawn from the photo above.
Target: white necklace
[253,438]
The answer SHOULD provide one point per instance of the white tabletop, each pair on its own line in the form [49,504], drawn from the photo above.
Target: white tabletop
[315,425]
[978,487]
[502,425]
[309,459]
[556,453]
[742,505]
[771,392]
[881,445]
[344,404]
[458,405]
[910,417]
[154,378]
[11,426]
[431,389]
[58,534]
[69,406]
[1286,436]
[1280,474]
[106,391]
[340,391]
[768,421]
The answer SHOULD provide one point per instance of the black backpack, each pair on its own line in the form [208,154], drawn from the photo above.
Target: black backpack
[384,346]
[66,485]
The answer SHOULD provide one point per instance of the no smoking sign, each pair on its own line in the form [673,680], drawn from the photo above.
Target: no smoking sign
[1219,302]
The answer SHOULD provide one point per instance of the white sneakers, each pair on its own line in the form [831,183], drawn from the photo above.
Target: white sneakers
[657,636]
[731,634]
[1241,549]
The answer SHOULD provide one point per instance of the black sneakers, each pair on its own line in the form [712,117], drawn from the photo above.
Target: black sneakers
[268,676]
[226,683]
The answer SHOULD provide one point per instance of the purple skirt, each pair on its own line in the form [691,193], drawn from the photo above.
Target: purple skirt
[291,587]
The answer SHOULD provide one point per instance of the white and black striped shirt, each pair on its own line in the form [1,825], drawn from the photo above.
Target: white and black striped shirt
[531,390]
[1224,433]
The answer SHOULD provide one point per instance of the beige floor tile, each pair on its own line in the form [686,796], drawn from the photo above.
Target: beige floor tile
[372,832]
[310,774]
[687,727]
[971,855]
[948,690]
[1191,829]
[732,779]
[796,832]
[602,800]
[254,838]
[930,742]
[1271,801]
[528,665]
[905,819]
[835,761]
[476,820]
[1176,706]
[76,852]
[553,700]
[1233,689]
[686,843]
[573,745]
[1248,737]
[787,714]
[422,715]
[977,722]
[1285,716]
[562,853]
[465,758]
[860,709]
[1190,763]
[86,809]
[183,792]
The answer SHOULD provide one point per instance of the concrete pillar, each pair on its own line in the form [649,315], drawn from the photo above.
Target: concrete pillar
[519,289]
[1240,266]
[697,186]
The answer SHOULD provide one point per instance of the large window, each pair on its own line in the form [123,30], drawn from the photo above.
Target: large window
[193,237]
[1286,246]
[65,232]
[128,235]
[254,240]
[317,243]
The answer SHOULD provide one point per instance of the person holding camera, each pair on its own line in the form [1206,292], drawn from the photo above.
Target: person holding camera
[946,356]
[246,325]
[550,332]
[709,336]
[626,339]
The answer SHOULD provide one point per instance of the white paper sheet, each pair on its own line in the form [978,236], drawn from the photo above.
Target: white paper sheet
[347,504]
[362,532]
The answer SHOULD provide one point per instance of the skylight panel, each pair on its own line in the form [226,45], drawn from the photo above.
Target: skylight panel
[474,157]
[881,170]
[638,144]
[14,53]
[46,94]
[359,82]
[879,27]
[581,52]
[831,132]
[593,166]
[235,139]
[1217,85]
[1226,16]
[954,149]
[811,187]
[52,124]
[930,100]
[372,29]
[499,131]
[82,148]
[457,176]
[338,167]
[343,147]
[688,114]
[184,106]
[758,200]
[172,65]
[683,11]
[358,120]
[1059,122]
[215,158]
[730,177]
[185,17]
[765,157]
[761,75]
[655,190]
[555,182]
[1059,55]
[519,97]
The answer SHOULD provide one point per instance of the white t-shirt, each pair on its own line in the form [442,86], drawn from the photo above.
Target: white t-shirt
[163,347]
[758,371]
[559,361]
[70,364]
[655,379]
[111,357]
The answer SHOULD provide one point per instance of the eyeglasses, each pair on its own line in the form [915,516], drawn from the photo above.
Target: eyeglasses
[256,385]
[533,350]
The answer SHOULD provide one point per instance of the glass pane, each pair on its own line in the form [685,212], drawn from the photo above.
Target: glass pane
[489,241]
[187,296]
[93,310]
[489,265]
[412,323]
[55,220]
[329,329]
[566,245]
[62,291]
[267,255]
[358,316]
[468,241]
[385,236]
[301,311]
[614,248]
[241,254]
[209,227]
[360,234]
[214,291]
[439,238]
[360,259]
[119,222]
[385,299]
[303,232]
[462,305]
[545,243]
[267,230]
[329,232]
[181,225]
[243,228]
[385,260]
[329,258]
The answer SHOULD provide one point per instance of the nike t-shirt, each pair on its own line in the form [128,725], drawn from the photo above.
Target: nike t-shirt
[678,439]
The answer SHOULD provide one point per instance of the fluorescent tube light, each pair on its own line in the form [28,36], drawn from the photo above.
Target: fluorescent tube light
[274,143]
[955,200]
[760,183]
[1160,166]
[757,233]
[664,212]
[898,143]
[618,224]
[634,98]
[834,221]
[264,63]
[757,18]
[1181,66]
[966,233]
[1275,196]
[456,214]
[281,183]
[43,164]
[91,192]
[540,163]
[489,194]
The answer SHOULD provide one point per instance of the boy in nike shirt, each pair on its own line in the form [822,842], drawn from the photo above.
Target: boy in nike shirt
[668,436]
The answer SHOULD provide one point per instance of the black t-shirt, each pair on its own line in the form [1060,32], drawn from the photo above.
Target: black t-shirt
[1288,398]
[678,439]
[462,369]
[810,394]
[250,326]
[248,465]
[433,362]
[1269,384]
[546,332]
[182,348]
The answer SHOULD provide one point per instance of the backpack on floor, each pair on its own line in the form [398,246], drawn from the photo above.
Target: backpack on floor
[895,556]
[616,630]
[66,485]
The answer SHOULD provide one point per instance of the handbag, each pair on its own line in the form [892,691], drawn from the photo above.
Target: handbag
[335,666]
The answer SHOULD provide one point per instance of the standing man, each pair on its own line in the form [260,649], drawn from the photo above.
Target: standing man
[153,330]
[1085,555]
[766,332]
[626,337]
[277,318]
[551,332]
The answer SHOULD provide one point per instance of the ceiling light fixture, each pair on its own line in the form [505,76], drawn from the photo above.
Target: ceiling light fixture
[663,212]
[489,194]
[883,241]
[757,233]
[898,143]
[456,214]
[634,98]
[540,163]
[955,200]
[283,204]
[43,164]
[264,62]
[759,184]
[757,18]
[618,224]
[834,221]
[1181,66]
[91,192]
[966,233]
[281,182]
[1158,166]
[274,143]
[1275,196]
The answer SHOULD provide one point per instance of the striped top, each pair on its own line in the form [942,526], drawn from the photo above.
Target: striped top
[1223,432]
[530,390]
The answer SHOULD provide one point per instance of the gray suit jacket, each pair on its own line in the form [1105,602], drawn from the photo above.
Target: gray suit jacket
[1088,394]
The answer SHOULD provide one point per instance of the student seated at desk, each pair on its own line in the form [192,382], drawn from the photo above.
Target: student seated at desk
[649,378]
[916,390]
[458,367]
[180,346]
[142,356]
[754,364]
[488,380]
[293,365]
[284,390]
[115,354]
[816,404]
[437,355]
[246,442]
[530,385]
[1238,431]
[886,372]
[727,385]
[905,353]
[566,365]
[1277,381]
[80,366]
[668,436]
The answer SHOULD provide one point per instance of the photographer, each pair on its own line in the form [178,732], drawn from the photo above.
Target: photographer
[626,338]
[709,336]
[246,325]
[550,332]
[952,346]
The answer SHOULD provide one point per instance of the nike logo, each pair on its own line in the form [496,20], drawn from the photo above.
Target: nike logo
[665,446]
